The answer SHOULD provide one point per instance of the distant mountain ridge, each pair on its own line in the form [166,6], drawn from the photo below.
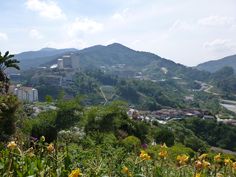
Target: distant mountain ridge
[36,58]
[114,54]
[116,58]
[215,65]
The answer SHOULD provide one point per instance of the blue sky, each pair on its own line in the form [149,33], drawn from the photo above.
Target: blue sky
[186,31]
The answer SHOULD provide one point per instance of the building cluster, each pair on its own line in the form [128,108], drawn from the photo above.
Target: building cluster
[164,115]
[27,94]
[70,61]
[60,73]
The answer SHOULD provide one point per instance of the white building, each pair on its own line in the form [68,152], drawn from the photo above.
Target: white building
[28,94]
[69,61]
[60,63]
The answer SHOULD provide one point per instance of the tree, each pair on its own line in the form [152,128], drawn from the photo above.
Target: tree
[8,103]
[68,114]
[6,61]
[48,98]
[165,136]
[8,115]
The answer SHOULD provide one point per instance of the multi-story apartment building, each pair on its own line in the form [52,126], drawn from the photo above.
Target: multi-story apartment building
[27,94]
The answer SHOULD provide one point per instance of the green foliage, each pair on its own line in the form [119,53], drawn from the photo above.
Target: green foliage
[187,137]
[9,105]
[164,135]
[131,143]
[141,130]
[105,119]
[216,134]
[84,84]
[103,78]
[178,148]
[225,80]
[6,61]
[43,125]
[216,65]
[58,160]
[48,98]
[109,139]
[207,101]
[68,114]
[45,89]
[128,92]
[194,143]
[223,73]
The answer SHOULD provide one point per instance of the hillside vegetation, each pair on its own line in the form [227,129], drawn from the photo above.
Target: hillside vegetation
[85,129]
[96,141]
[215,65]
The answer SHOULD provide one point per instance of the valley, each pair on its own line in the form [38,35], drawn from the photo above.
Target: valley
[111,96]
[117,88]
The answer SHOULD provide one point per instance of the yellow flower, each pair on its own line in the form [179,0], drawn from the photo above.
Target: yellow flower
[50,148]
[234,165]
[163,154]
[217,158]
[31,154]
[203,156]
[164,146]
[12,145]
[219,175]
[75,173]
[144,156]
[228,161]
[206,164]
[198,164]
[182,159]
[126,171]
[198,175]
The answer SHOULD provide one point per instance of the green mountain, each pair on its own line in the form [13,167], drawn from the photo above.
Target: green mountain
[33,59]
[123,61]
[115,54]
[116,59]
[215,65]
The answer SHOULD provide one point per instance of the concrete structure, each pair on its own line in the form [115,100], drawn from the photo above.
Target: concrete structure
[27,94]
[75,61]
[60,63]
[67,61]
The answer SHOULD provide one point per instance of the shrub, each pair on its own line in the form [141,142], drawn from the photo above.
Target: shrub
[131,143]
[44,125]
[9,105]
[164,135]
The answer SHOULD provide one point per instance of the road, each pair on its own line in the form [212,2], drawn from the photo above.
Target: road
[103,95]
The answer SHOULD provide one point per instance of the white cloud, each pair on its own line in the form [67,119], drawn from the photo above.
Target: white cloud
[217,21]
[220,45]
[35,34]
[46,8]
[84,25]
[121,16]
[3,36]
[181,25]
[68,43]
